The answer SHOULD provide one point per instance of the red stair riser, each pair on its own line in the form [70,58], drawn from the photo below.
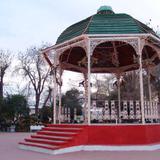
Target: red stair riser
[56,134]
[50,138]
[44,142]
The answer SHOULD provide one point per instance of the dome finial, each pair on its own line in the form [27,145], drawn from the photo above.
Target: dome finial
[105,10]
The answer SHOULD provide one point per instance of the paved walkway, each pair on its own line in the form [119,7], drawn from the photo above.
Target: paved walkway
[9,151]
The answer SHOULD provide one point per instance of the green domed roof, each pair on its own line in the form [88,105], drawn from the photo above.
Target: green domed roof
[105,8]
[105,22]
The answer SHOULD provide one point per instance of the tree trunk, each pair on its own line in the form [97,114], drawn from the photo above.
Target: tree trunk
[1,87]
[37,104]
[47,98]
[159,96]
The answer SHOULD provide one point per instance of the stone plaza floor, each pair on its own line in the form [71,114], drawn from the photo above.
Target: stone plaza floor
[9,151]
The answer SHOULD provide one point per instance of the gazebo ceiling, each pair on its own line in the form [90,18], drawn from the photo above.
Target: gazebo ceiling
[104,59]
[105,22]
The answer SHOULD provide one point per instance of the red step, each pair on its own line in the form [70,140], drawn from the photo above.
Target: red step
[54,136]
[66,125]
[51,137]
[50,142]
[39,145]
[62,129]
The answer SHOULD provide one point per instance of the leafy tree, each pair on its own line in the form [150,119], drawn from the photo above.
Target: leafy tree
[72,100]
[13,110]
[17,105]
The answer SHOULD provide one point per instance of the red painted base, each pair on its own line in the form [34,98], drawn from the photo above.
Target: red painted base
[60,136]
[118,135]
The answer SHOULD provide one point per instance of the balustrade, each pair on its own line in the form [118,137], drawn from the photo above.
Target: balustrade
[130,111]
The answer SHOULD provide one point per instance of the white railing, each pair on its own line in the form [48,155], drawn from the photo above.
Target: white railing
[130,112]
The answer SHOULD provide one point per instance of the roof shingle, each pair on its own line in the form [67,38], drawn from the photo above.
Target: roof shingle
[105,24]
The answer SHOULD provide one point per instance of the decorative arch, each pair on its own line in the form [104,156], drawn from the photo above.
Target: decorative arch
[114,54]
[70,59]
[133,42]
[150,54]
[81,44]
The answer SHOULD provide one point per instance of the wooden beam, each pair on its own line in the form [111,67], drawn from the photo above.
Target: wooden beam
[47,59]
[65,65]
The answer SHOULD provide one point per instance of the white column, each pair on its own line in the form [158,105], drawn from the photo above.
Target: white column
[60,105]
[89,81]
[149,89]
[55,89]
[60,97]
[119,98]
[141,80]
[86,98]
[54,97]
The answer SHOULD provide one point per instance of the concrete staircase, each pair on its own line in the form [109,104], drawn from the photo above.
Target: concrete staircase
[63,138]
[52,137]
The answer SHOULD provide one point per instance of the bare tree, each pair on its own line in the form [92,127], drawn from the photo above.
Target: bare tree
[5,61]
[34,68]
[103,85]
[49,94]
[130,88]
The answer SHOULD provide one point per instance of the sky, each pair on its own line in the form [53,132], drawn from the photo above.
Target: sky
[30,22]
[24,23]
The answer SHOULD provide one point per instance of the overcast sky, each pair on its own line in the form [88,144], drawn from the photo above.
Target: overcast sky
[28,22]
